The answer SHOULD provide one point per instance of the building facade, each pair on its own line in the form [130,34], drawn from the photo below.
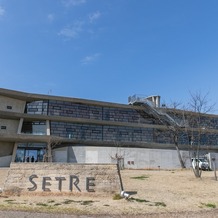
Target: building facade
[87,131]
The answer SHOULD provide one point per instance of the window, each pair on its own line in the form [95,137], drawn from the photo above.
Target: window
[9,107]
[3,127]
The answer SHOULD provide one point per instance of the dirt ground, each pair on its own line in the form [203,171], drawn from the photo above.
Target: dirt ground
[157,193]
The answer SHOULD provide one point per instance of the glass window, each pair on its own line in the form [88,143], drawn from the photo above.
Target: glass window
[30,152]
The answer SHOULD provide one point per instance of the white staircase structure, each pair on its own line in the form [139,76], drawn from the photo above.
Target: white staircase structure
[151,107]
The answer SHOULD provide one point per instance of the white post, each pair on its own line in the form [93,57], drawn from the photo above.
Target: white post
[48,128]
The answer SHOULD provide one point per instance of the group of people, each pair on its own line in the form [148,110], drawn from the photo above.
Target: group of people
[30,159]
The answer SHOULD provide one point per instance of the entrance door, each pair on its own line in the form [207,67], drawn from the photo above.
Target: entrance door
[29,155]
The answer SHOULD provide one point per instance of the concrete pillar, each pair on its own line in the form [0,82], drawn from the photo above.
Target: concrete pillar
[20,126]
[48,128]
[15,144]
[14,152]
[157,101]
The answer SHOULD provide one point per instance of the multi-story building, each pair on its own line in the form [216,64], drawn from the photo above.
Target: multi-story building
[87,131]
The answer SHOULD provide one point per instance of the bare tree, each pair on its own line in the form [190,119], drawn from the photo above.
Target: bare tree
[175,134]
[52,142]
[118,158]
[175,104]
[198,126]
[175,129]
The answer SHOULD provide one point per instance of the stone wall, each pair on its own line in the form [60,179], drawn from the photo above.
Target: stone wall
[62,178]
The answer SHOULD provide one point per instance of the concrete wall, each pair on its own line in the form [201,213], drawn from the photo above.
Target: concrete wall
[6,148]
[60,155]
[5,161]
[59,177]
[134,158]
[8,126]
[11,104]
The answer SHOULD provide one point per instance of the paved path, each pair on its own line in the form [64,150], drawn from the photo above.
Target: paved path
[18,214]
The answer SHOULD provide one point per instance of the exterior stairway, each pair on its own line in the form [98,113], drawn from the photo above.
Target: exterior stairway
[151,108]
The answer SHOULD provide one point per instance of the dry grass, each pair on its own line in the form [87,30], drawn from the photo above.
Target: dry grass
[152,192]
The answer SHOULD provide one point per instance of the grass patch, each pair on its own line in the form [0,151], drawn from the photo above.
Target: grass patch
[67,201]
[117,197]
[86,202]
[42,204]
[162,204]
[51,201]
[138,200]
[9,201]
[140,177]
[57,204]
[209,205]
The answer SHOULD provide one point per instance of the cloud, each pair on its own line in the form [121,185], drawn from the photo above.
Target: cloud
[69,3]
[90,59]
[72,31]
[50,17]
[94,16]
[2,11]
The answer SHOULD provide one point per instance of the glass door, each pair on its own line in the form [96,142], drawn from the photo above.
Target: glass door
[30,152]
[31,155]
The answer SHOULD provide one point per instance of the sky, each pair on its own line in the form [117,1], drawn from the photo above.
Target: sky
[107,50]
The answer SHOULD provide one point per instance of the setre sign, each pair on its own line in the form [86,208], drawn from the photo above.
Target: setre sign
[74,183]
[62,177]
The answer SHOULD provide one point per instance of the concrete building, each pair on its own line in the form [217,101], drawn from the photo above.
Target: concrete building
[87,131]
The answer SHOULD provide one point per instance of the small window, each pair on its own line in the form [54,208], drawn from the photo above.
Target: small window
[3,127]
[9,107]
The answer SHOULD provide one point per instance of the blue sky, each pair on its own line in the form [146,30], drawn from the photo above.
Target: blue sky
[108,50]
